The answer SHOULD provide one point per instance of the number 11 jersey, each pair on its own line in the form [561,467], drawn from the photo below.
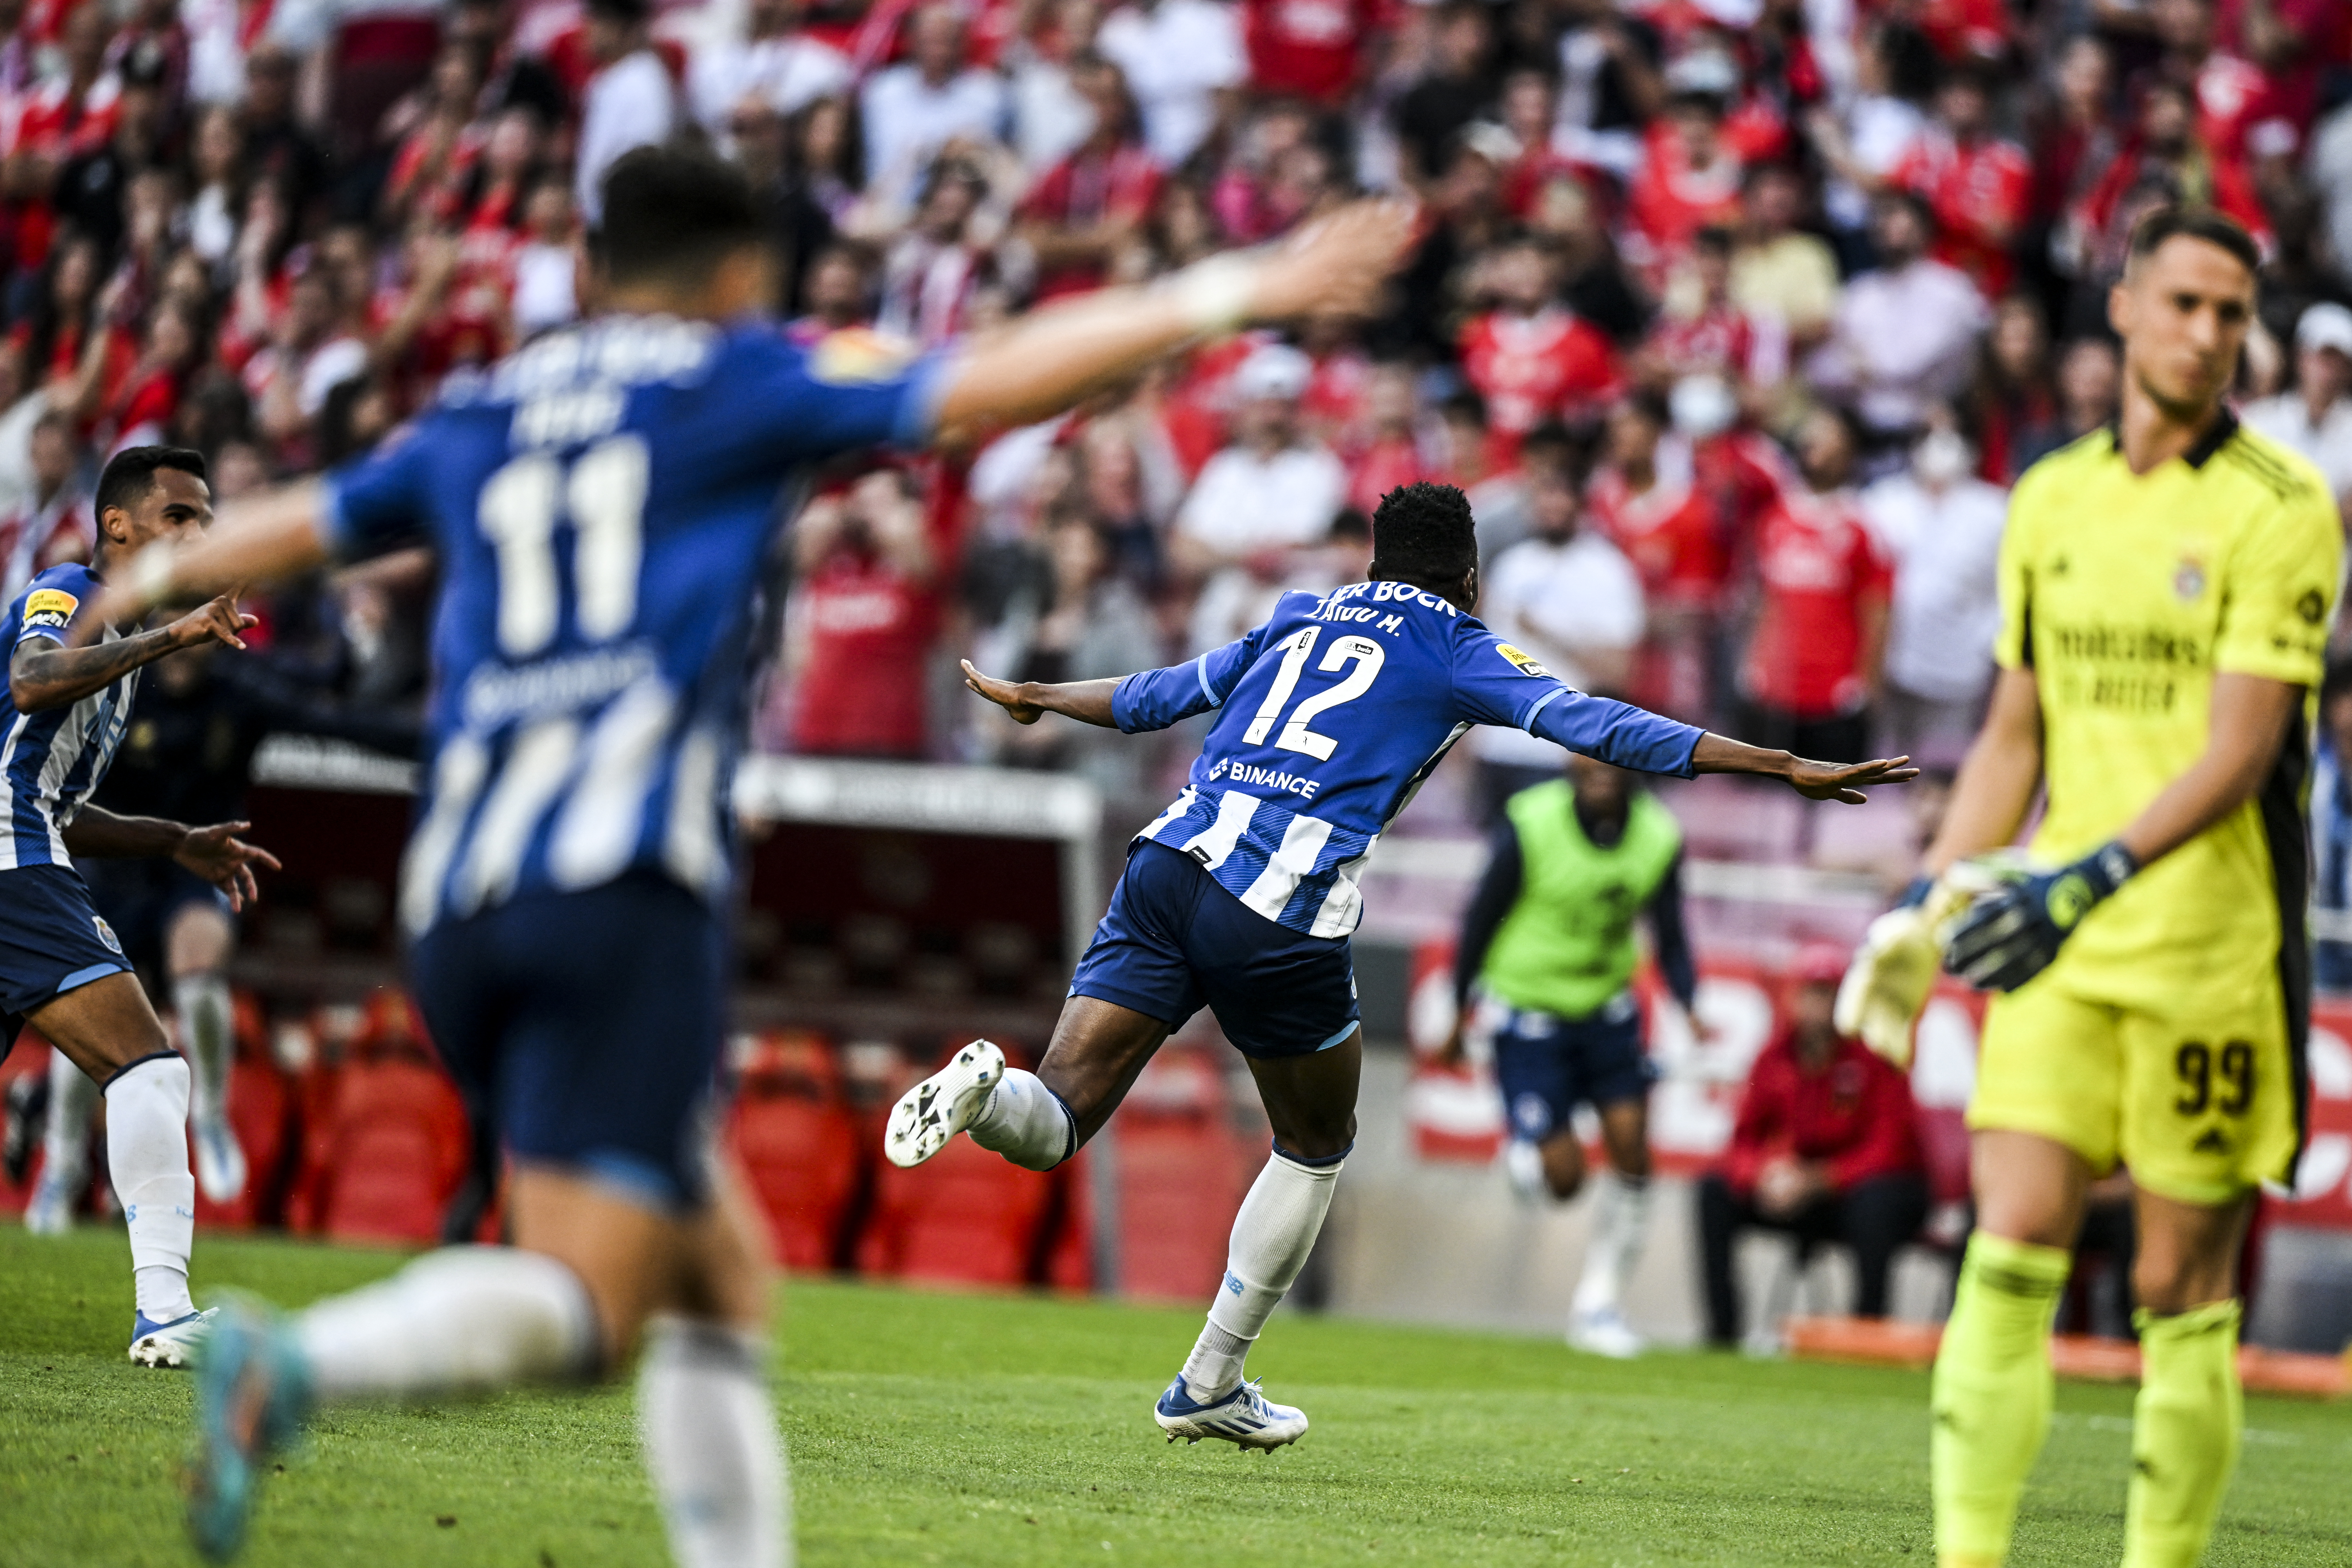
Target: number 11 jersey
[1331,716]
[602,502]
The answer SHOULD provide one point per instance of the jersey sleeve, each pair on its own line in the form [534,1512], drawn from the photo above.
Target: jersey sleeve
[2279,590]
[850,390]
[378,501]
[55,601]
[1495,683]
[2012,646]
[1155,699]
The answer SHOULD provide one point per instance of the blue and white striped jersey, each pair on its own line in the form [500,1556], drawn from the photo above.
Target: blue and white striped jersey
[602,502]
[1332,713]
[51,761]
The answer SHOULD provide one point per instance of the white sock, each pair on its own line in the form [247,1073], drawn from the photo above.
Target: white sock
[464,1317]
[65,1139]
[1621,1217]
[712,1446]
[147,1155]
[1272,1237]
[209,1038]
[1026,1123]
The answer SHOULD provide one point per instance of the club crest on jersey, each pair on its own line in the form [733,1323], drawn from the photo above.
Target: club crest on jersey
[106,934]
[1523,661]
[2188,580]
[856,355]
[50,608]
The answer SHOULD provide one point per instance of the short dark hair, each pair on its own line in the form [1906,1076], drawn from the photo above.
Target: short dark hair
[1423,534]
[131,474]
[672,214]
[2212,227]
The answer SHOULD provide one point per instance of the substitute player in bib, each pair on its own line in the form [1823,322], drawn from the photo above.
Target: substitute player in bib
[2167,586]
[1547,946]
[62,969]
[1241,895]
[602,502]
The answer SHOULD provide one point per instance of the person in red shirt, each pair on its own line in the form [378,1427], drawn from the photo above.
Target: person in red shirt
[1811,664]
[1382,451]
[1978,185]
[1093,203]
[1702,332]
[2166,161]
[1528,357]
[1825,1148]
[863,616]
[1689,179]
[1644,498]
[1314,49]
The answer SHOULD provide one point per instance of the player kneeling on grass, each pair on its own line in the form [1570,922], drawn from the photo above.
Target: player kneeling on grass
[1241,896]
[2167,585]
[1549,940]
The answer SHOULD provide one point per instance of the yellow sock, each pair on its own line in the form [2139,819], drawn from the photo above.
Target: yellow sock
[2186,1428]
[1992,1392]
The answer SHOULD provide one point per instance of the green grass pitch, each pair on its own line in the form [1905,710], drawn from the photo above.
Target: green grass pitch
[990,1429]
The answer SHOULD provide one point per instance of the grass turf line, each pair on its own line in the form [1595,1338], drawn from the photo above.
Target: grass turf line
[936,1427]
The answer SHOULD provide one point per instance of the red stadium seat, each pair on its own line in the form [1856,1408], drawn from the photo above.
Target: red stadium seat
[262,1109]
[966,1216]
[798,1146]
[1182,1173]
[30,1058]
[393,1142]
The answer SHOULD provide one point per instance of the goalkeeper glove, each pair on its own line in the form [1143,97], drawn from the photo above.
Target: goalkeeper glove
[1894,971]
[2009,935]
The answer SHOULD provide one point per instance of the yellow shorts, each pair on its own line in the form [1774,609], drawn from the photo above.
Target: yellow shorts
[2196,1099]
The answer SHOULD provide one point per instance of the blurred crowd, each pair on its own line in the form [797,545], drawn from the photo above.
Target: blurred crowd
[1736,318]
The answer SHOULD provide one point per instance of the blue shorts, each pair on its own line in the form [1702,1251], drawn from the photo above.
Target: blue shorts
[140,899]
[1173,940]
[589,1026]
[51,940]
[1545,1064]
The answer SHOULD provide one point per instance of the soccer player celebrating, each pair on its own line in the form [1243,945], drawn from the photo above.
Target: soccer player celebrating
[61,967]
[2167,586]
[601,501]
[1242,894]
[1549,939]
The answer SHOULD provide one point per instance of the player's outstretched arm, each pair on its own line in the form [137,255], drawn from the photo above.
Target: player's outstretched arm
[214,853]
[1089,701]
[264,538]
[1815,780]
[43,675]
[1052,359]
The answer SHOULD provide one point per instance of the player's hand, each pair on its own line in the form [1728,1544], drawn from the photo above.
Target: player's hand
[1452,1053]
[1005,694]
[218,855]
[1887,982]
[1782,1188]
[2011,934]
[1338,264]
[218,620]
[1827,781]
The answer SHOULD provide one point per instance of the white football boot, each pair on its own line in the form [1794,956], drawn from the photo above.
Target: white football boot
[1603,1333]
[220,1161]
[1245,1418]
[943,1104]
[174,1344]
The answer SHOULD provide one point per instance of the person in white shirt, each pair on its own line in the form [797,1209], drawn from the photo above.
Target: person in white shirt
[2315,418]
[783,67]
[1906,330]
[1269,494]
[915,108]
[1571,600]
[631,101]
[1941,527]
[1178,56]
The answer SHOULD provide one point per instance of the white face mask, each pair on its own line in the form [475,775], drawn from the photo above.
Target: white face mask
[1701,407]
[1941,457]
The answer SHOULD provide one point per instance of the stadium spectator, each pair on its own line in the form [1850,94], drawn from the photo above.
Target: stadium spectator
[1088,208]
[1906,330]
[2090,389]
[1268,493]
[1432,114]
[1975,183]
[1646,499]
[932,98]
[49,519]
[860,630]
[1569,598]
[777,63]
[2316,418]
[1940,526]
[1779,270]
[1528,358]
[1824,1149]
[1812,663]
[1181,57]
[630,101]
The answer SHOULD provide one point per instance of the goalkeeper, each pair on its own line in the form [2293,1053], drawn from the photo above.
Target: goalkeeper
[2167,586]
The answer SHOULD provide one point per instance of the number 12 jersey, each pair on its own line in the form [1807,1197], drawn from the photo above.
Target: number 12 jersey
[1331,716]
